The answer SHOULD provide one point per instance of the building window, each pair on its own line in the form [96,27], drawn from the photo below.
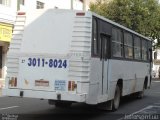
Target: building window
[5,2]
[128,45]
[144,50]
[117,43]
[137,48]
[40,5]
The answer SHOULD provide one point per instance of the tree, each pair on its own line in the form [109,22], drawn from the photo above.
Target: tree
[142,16]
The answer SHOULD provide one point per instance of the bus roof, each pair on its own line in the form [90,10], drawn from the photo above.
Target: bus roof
[121,26]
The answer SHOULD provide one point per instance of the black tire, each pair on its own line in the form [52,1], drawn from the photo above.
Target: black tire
[63,104]
[116,100]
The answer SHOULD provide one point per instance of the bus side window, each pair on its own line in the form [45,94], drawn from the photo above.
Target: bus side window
[95,44]
[144,50]
[150,51]
[128,45]
[117,43]
[137,48]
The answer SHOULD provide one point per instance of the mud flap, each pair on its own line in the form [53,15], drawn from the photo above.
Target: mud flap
[92,97]
[106,105]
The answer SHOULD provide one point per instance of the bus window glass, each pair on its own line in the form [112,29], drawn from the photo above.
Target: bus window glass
[95,40]
[144,50]
[117,43]
[128,45]
[137,48]
[149,50]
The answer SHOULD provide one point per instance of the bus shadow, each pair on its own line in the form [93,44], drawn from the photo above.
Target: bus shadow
[128,99]
[79,111]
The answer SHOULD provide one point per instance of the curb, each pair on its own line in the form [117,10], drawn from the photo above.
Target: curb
[155,79]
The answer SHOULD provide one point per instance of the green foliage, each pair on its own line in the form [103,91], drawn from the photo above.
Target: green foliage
[142,16]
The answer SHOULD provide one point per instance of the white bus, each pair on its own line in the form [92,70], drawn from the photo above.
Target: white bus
[69,56]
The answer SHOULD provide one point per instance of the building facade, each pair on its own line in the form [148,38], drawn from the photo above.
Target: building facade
[45,4]
[7,17]
[156,64]
[156,61]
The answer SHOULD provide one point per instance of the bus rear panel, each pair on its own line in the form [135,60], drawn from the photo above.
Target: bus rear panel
[48,57]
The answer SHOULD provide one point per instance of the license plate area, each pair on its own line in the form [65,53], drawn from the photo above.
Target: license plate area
[41,83]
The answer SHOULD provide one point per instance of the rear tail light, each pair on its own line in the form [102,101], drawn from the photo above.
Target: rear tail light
[72,85]
[21,13]
[80,14]
[69,85]
[13,82]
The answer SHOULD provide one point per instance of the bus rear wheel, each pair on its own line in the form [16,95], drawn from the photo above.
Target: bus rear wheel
[116,100]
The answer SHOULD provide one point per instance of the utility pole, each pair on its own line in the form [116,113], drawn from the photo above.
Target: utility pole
[84,5]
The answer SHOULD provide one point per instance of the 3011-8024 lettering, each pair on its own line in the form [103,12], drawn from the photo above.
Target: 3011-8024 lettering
[52,63]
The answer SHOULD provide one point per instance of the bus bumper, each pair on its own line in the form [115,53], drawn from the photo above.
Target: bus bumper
[64,96]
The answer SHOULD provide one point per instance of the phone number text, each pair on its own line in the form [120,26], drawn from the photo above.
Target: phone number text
[52,63]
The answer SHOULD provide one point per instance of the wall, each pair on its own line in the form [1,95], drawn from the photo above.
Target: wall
[7,18]
[7,14]
[60,4]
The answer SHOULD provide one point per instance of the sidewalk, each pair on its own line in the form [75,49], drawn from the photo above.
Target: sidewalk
[156,79]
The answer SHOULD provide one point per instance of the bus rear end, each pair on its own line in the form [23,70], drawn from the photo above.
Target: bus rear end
[49,56]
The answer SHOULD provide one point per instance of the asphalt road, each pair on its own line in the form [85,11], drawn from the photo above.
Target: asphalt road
[35,109]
